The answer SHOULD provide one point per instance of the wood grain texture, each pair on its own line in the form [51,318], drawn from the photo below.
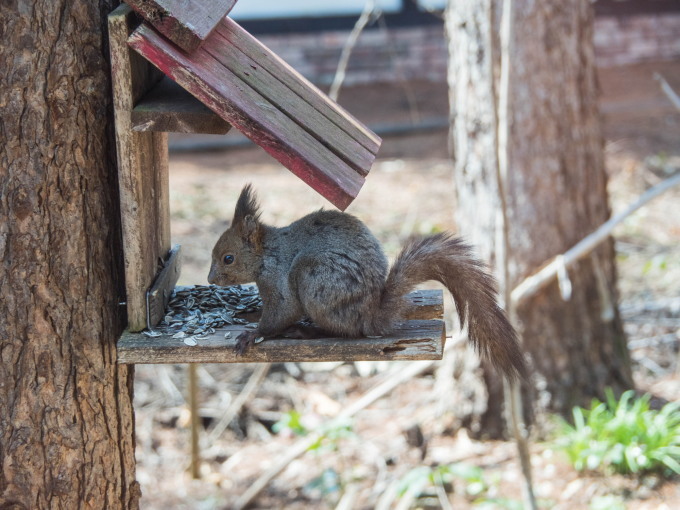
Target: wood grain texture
[67,437]
[295,104]
[412,340]
[142,170]
[425,304]
[235,100]
[187,23]
[264,57]
[158,296]
[167,107]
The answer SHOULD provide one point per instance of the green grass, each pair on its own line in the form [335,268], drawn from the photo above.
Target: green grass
[623,436]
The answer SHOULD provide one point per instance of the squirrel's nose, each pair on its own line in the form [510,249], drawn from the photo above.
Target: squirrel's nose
[212,275]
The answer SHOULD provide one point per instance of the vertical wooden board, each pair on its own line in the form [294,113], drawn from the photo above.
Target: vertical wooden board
[158,295]
[256,117]
[142,170]
[266,58]
[187,23]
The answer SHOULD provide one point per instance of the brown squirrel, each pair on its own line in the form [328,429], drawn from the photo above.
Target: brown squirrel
[329,268]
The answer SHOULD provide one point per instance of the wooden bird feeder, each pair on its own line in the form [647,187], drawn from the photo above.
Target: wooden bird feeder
[184,66]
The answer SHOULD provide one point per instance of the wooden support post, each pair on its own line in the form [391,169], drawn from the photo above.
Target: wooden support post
[142,170]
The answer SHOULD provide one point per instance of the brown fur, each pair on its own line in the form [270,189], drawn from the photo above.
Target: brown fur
[328,267]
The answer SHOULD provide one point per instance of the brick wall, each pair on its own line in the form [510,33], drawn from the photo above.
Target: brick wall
[420,52]
[627,40]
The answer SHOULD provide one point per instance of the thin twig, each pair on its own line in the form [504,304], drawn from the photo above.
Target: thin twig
[414,113]
[668,90]
[193,406]
[513,389]
[650,341]
[348,498]
[234,408]
[541,278]
[441,493]
[369,9]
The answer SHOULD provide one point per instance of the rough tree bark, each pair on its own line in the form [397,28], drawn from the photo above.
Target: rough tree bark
[555,188]
[66,416]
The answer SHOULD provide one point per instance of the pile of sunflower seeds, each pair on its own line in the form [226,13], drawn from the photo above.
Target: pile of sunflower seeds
[197,310]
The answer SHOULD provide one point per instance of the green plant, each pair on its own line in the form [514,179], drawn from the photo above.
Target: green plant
[328,436]
[623,436]
[292,420]
[417,480]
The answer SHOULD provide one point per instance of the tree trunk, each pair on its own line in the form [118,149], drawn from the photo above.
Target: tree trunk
[66,416]
[550,169]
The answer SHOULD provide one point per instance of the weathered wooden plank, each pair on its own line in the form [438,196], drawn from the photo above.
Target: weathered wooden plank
[142,170]
[187,23]
[295,104]
[158,295]
[167,107]
[264,57]
[411,340]
[255,116]
[425,305]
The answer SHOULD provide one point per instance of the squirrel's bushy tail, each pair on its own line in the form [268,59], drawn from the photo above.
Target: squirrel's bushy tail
[449,260]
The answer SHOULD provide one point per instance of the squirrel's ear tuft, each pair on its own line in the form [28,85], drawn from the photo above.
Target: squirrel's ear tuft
[246,206]
[251,231]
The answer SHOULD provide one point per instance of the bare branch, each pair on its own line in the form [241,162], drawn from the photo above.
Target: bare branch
[668,90]
[541,278]
[251,386]
[369,9]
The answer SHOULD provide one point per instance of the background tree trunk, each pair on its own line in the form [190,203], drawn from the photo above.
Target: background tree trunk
[555,187]
[66,416]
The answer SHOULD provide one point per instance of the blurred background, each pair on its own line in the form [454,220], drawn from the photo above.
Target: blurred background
[411,448]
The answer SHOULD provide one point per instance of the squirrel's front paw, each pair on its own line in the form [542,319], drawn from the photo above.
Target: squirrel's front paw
[244,341]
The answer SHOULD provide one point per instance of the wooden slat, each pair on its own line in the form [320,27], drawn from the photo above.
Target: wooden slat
[169,108]
[412,340]
[158,296]
[187,23]
[142,170]
[294,104]
[265,58]
[252,114]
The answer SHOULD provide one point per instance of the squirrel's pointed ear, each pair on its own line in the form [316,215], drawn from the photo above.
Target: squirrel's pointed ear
[251,230]
[246,205]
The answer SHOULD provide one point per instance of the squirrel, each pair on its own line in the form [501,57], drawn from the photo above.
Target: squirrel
[329,268]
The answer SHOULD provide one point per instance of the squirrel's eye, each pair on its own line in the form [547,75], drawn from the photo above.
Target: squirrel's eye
[228,259]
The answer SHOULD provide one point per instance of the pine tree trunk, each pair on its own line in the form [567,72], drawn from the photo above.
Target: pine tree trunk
[66,416]
[555,186]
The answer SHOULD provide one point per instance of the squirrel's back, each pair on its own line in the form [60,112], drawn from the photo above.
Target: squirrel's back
[339,271]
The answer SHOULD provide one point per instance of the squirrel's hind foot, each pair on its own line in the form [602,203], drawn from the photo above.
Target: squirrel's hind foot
[244,341]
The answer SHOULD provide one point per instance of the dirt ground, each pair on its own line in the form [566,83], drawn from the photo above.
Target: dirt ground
[409,190]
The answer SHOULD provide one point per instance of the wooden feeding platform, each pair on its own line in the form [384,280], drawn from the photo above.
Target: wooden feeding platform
[184,66]
[420,337]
